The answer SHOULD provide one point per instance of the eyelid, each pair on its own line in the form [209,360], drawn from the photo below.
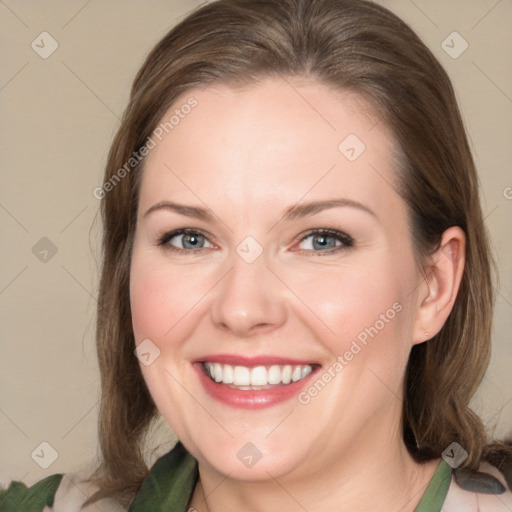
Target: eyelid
[164,239]
[347,242]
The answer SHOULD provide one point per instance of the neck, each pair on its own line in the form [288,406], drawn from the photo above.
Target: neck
[375,473]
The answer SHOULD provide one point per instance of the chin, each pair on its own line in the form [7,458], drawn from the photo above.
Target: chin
[249,461]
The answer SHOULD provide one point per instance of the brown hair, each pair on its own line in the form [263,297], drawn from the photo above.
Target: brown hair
[352,45]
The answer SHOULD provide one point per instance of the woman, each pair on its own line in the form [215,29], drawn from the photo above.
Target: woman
[294,248]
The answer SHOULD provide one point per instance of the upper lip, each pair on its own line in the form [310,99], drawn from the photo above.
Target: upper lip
[263,360]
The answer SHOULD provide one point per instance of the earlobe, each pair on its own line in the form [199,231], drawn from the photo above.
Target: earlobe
[437,294]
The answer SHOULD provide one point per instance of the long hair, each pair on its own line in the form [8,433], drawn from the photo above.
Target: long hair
[352,45]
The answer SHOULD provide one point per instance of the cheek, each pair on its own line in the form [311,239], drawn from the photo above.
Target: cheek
[361,315]
[346,300]
[159,310]
[161,296]
[148,302]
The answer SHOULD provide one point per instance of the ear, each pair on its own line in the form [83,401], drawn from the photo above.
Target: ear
[438,291]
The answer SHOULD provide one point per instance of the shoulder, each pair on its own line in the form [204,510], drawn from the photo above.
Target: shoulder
[73,493]
[17,497]
[476,492]
[55,493]
[170,481]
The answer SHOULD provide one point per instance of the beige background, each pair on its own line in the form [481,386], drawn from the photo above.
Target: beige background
[58,116]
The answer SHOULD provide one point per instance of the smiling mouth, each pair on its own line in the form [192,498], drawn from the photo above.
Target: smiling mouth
[257,377]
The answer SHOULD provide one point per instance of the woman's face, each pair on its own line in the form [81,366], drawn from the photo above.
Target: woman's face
[294,282]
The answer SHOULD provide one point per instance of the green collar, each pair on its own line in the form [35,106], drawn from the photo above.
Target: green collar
[437,490]
[169,485]
[172,479]
[18,497]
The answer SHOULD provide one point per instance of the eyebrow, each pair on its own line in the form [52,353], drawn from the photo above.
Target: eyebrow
[188,211]
[303,210]
[294,212]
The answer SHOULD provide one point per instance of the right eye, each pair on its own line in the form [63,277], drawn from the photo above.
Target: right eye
[185,241]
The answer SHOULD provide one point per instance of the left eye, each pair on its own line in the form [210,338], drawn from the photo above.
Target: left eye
[184,239]
[325,241]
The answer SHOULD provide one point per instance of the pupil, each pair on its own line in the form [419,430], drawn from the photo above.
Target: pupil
[191,240]
[321,241]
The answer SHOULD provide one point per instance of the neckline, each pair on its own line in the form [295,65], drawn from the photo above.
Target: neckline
[435,495]
[171,482]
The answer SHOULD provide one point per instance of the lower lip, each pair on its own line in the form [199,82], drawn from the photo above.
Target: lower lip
[250,399]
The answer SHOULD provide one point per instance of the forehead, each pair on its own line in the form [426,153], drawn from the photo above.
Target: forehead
[270,143]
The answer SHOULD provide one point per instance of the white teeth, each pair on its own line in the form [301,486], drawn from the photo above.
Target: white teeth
[274,375]
[228,374]
[217,372]
[297,374]
[242,376]
[306,370]
[258,376]
[287,374]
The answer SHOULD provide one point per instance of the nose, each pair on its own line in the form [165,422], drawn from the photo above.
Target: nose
[249,300]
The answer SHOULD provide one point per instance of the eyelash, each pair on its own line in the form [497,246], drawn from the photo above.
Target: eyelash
[347,241]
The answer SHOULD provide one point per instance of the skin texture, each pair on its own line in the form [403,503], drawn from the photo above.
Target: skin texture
[247,155]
